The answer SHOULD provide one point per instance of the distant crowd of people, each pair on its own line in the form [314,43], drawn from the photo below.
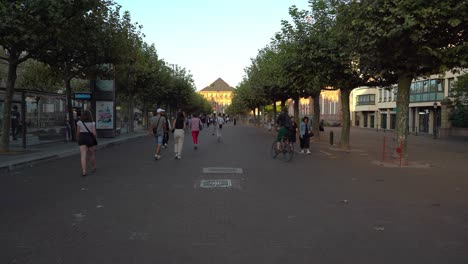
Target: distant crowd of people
[160,126]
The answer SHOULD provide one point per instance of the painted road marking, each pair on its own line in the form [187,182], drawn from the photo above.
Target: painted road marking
[224,183]
[326,153]
[222,170]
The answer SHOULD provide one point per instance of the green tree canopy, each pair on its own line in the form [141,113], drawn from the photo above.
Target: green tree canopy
[409,39]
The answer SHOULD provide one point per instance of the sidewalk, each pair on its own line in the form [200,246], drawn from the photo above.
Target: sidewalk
[19,157]
[423,150]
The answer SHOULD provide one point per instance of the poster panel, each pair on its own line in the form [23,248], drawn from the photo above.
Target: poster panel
[104,115]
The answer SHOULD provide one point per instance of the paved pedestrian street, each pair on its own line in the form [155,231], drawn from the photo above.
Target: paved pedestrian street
[230,202]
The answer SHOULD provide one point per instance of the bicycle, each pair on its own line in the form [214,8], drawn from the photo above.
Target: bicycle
[284,151]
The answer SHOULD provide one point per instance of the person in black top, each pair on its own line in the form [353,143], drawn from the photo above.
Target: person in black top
[304,135]
[178,129]
[15,122]
[292,131]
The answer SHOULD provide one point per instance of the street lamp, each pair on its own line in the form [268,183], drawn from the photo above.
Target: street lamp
[435,120]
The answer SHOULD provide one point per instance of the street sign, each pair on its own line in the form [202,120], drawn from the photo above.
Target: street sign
[82,96]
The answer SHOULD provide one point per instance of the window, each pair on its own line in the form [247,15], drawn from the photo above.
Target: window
[440,86]
[425,87]
[433,87]
[427,90]
[366,99]
[380,95]
[322,105]
[450,84]
[418,87]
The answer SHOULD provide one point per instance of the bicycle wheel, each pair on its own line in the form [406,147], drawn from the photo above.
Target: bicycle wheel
[288,152]
[283,153]
[273,150]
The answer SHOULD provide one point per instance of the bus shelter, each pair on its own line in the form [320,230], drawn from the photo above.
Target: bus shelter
[43,117]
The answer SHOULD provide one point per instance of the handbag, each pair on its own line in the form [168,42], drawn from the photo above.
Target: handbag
[92,135]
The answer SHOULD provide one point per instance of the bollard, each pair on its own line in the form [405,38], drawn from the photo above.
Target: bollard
[331,138]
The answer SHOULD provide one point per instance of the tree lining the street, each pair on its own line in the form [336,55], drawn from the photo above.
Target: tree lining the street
[409,39]
[459,94]
[75,38]
[372,43]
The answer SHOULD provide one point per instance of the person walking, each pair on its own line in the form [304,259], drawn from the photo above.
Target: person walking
[179,127]
[304,135]
[293,131]
[15,122]
[195,126]
[219,127]
[86,136]
[166,130]
[157,127]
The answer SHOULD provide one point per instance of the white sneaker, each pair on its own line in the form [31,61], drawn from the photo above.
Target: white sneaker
[157,157]
[302,151]
[308,152]
[179,157]
[176,155]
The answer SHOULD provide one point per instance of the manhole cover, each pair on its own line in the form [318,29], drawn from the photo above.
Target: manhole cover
[215,183]
[222,170]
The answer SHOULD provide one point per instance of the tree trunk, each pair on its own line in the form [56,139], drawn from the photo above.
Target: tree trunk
[71,120]
[316,116]
[10,90]
[346,124]
[404,83]
[130,114]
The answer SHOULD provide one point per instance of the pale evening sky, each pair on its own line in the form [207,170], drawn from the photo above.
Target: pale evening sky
[210,38]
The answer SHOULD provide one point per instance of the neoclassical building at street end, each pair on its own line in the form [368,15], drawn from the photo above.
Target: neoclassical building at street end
[219,94]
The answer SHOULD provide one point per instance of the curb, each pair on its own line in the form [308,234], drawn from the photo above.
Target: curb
[30,162]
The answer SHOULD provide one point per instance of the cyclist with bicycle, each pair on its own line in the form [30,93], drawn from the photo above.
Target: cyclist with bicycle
[284,124]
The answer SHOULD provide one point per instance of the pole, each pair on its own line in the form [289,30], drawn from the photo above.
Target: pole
[435,124]
[23,118]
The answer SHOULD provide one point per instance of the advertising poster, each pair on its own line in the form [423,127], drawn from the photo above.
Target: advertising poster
[104,115]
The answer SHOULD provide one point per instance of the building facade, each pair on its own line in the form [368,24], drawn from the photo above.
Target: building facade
[330,107]
[219,94]
[373,107]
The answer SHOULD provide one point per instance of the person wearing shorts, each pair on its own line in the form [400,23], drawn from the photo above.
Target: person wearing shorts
[283,133]
[157,128]
[284,124]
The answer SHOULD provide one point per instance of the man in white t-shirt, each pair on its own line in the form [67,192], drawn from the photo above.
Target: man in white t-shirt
[219,126]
